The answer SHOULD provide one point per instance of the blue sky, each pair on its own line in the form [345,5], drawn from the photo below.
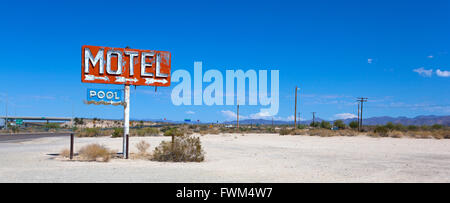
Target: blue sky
[335,51]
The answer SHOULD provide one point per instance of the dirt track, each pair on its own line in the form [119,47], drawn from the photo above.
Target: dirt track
[237,158]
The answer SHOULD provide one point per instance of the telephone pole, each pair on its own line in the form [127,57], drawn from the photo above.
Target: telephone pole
[314,119]
[358,118]
[360,111]
[237,115]
[295,113]
[6,112]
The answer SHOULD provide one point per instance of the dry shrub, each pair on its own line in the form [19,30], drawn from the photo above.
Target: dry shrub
[321,133]
[142,147]
[441,134]
[395,134]
[184,149]
[421,134]
[95,152]
[146,132]
[93,132]
[381,131]
[65,153]
[299,132]
[285,131]
[347,133]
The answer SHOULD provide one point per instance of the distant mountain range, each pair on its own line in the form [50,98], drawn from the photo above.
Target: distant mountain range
[419,120]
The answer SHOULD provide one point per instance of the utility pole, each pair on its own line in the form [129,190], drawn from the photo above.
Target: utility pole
[237,115]
[361,100]
[295,113]
[272,121]
[6,111]
[358,119]
[126,120]
[314,119]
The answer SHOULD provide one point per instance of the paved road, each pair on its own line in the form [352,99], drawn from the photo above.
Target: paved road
[23,137]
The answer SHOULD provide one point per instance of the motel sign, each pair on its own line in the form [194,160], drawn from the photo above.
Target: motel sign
[125,66]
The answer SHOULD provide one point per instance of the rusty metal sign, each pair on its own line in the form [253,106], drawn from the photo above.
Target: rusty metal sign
[125,66]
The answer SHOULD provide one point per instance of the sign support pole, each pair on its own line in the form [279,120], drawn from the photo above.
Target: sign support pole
[126,122]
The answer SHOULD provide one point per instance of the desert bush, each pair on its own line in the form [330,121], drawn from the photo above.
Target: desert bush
[173,132]
[52,125]
[301,126]
[315,124]
[353,124]
[325,125]
[339,123]
[89,132]
[421,134]
[389,126]
[412,128]
[65,153]
[95,152]
[395,134]
[118,132]
[184,149]
[285,131]
[400,127]
[298,132]
[14,129]
[348,133]
[145,132]
[437,127]
[321,133]
[142,147]
[441,134]
[381,131]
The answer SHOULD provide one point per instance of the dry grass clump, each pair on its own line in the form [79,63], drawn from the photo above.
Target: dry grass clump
[95,152]
[396,134]
[142,132]
[347,133]
[65,153]
[321,133]
[421,134]
[441,134]
[142,147]
[93,132]
[211,131]
[299,132]
[285,131]
[184,149]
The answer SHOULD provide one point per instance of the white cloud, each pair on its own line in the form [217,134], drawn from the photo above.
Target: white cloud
[369,61]
[442,73]
[345,116]
[232,115]
[190,112]
[424,72]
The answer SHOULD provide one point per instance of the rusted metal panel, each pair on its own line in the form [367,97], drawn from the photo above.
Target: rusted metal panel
[125,66]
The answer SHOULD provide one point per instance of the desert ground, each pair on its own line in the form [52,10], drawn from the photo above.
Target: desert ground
[238,158]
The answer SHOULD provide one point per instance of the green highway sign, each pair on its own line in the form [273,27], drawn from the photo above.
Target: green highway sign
[19,122]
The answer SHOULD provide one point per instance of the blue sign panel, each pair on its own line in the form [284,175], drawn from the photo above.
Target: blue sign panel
[106,95]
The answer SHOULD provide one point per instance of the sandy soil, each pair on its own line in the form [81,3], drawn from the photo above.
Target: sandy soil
[237,158]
